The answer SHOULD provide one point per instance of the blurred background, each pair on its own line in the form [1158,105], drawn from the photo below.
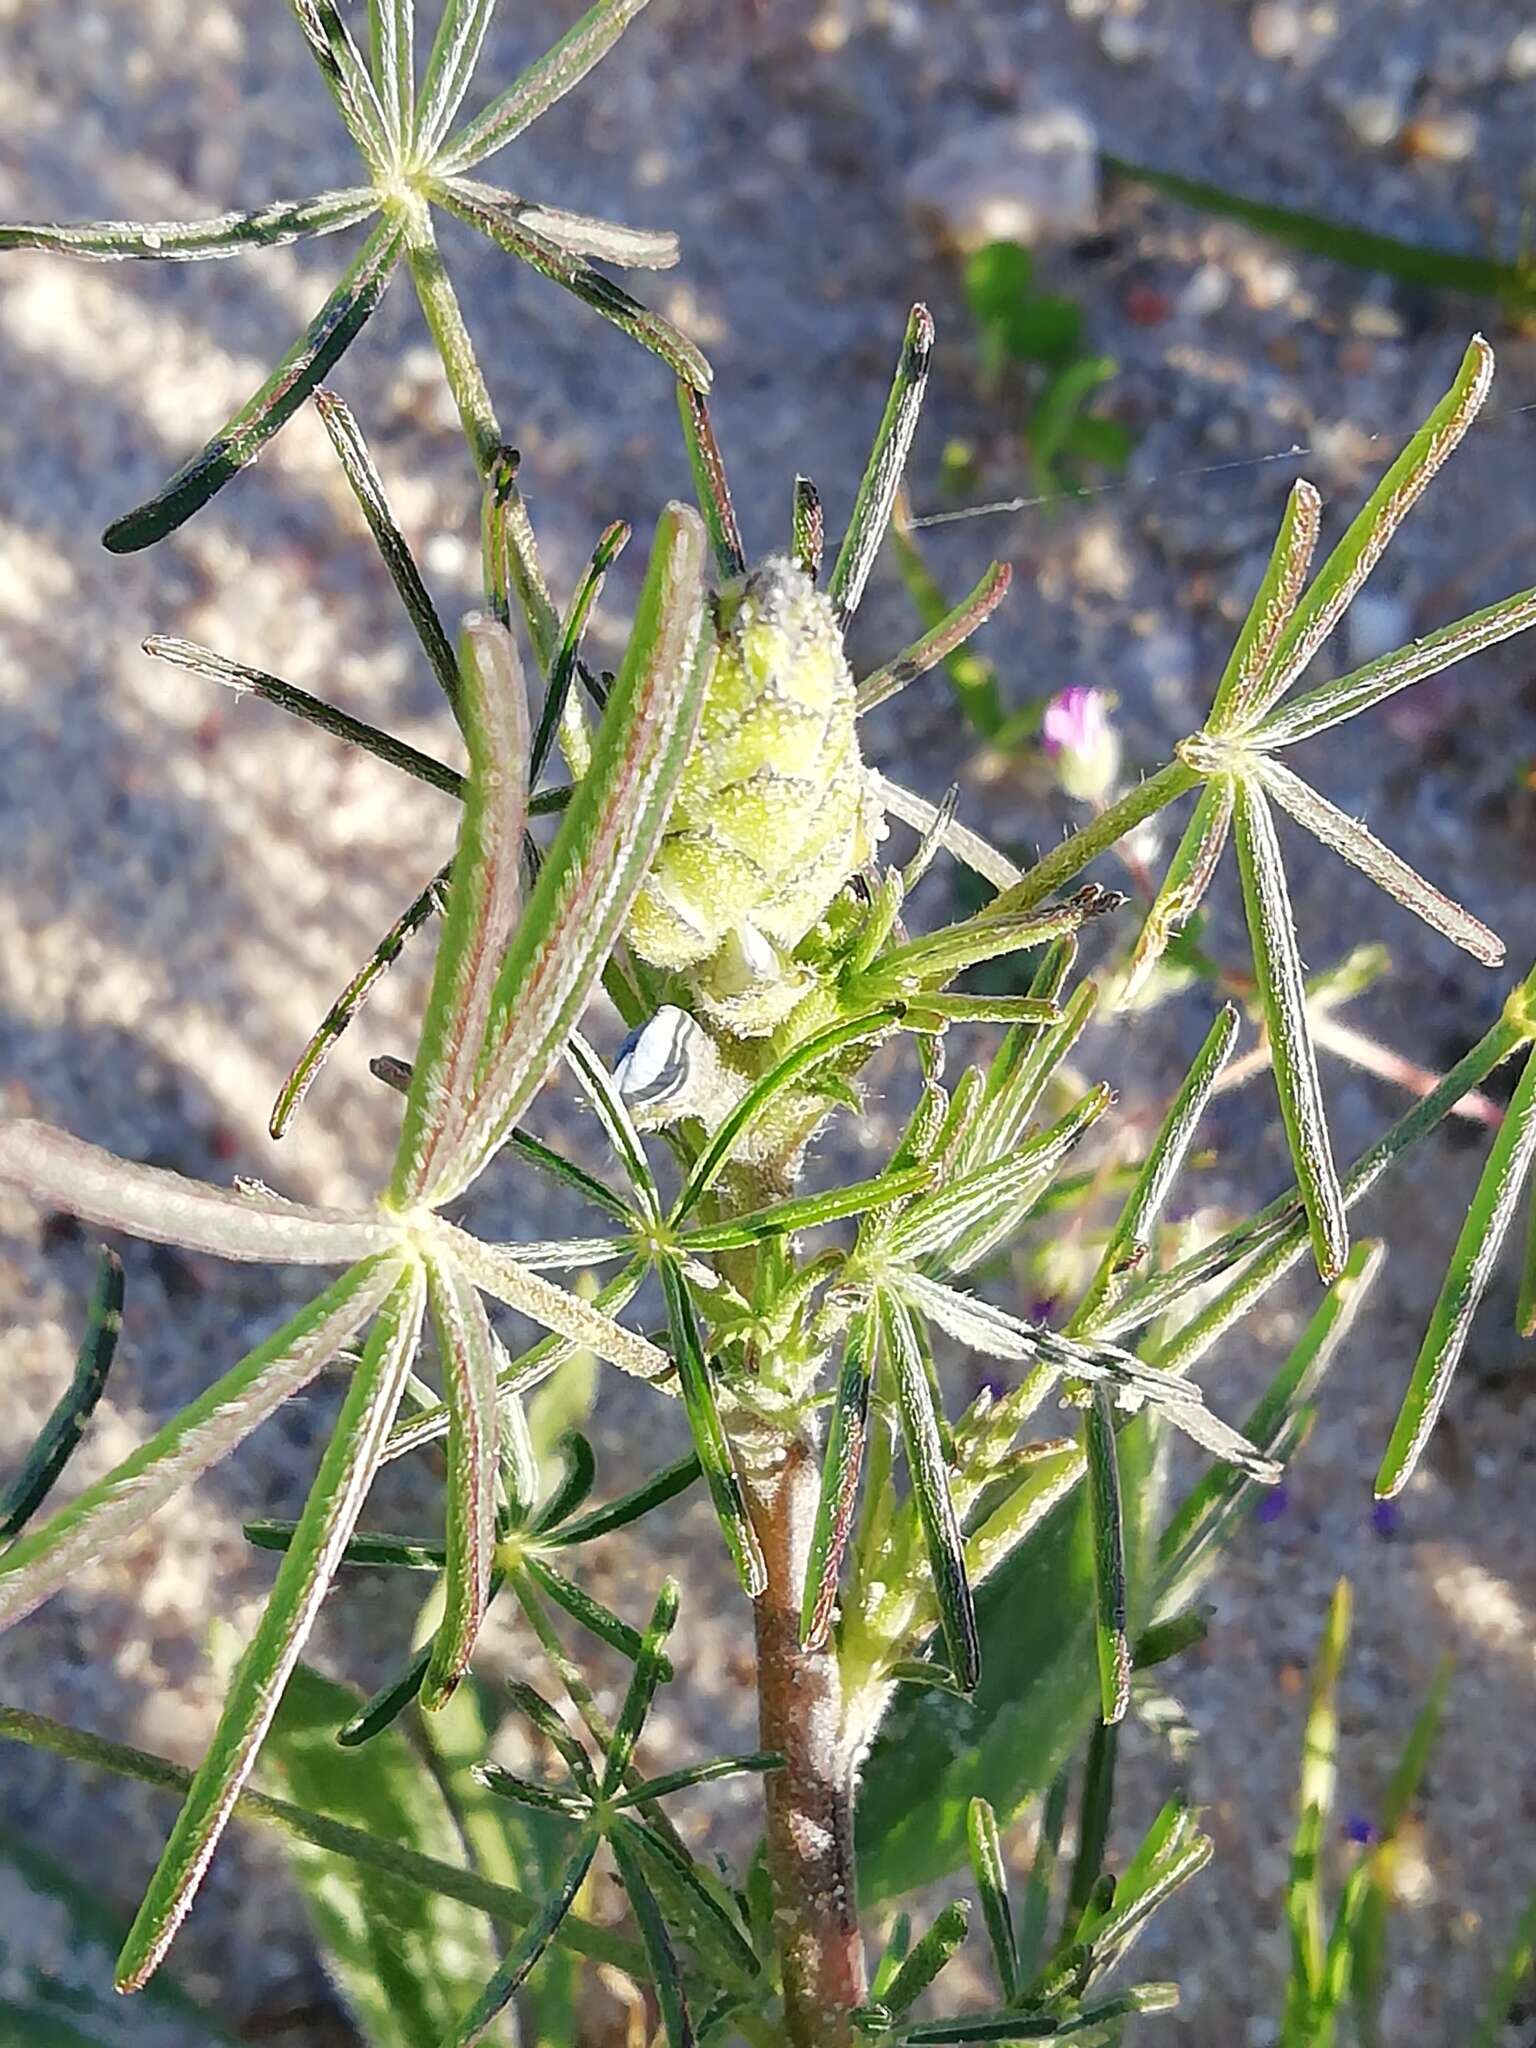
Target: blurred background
[185,882]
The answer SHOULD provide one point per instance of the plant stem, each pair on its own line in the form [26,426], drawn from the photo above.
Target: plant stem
[1074,854]
[461,366]
[810,1801]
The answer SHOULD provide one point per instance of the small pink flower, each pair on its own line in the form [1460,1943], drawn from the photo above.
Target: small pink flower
[1078,737]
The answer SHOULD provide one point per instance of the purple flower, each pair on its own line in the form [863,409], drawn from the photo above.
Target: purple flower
[1078,738]
[1359,1828]
[1273,1504]
[1386,1519]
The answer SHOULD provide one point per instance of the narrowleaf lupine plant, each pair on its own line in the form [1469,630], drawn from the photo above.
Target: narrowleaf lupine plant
[946,1610]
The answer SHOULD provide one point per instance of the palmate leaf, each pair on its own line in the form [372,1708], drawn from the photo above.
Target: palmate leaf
[341,1485]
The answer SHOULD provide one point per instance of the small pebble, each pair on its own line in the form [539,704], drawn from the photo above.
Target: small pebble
[1520,57]
[1448,138]
[1206,292]
[1373,118]
[1276,29]
[1128,42]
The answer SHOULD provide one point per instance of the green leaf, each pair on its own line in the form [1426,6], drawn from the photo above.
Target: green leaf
[482,912]
[1367,538]
[842,1462]
[57,1941]
[1130,1241]
[450,67]
[991,1875]
[1513,1971]
[408,1961]
[928,1956]
[1304,1903]
[347,79]
[1208,1517]
[876,494]
[604,848]
[1330,704]
[1348,838]
[922,1436]
[468,1353]
[1113,1645]
[650,1669]
[346,438]
[303,1579]
[59,1435]
[192,241]
[807,528]
[561,67]
[808,1212]
[1239,694]
[629,1507]
[197,1437]
[317,351]
[677,2025]
[482,208]
[391,45]
[947,633]
[611,544]
[1037,1696]
[1277,966]
[526,1950]
[696,1383]
[1466,1281]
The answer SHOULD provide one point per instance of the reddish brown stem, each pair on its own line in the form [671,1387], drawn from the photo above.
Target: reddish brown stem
[810,1801]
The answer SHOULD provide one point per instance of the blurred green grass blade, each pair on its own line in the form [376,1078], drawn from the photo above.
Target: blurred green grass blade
[1182,890]
[939,642]
[526,1950]
[1274,604]
[1513,1971]
[313,356]
[192,241]
[503,1902]
[650,1669]
[1095,1811]
[541,85]
[358,466]
[928,1956]
[484,900]
[1353,842]
[1277,966]
[611,544]
[408,1961]
[711,485]
[876,494]
[1304,1902]
[1368,535]
[1036,1909]
[1512,285]
[467,1352]
[197,1437]
[696,1384]
[897,1948]
[1357,1946]
[842,1462]
[347,78]
[303,1579]
[629,1507]
[501,224]
[602,852]
[66,1423]
[1130,1241]
[1317,711]
[1525,1306]
[922,1435]
[666,1977]
[991,1875]
[1477,1249]
[1111,1640]
[1194,1536]
[450,66]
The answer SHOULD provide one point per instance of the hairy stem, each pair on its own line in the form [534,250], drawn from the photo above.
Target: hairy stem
[1075,853]
[810,1801]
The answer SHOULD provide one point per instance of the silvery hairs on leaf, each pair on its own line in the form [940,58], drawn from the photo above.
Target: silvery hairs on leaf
[413,159]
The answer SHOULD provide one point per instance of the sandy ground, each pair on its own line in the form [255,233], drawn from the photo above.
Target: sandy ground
[187,881]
